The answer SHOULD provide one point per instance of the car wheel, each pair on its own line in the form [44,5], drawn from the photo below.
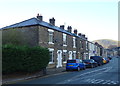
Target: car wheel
[84,68]
[96,65]
[78,68]
[66,69]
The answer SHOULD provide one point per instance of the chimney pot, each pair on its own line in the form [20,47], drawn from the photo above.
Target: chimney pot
[52,21]
[40,17]
[86,38]
[62,27]
[83,35]
[75,31]
[79,34]
[69,29]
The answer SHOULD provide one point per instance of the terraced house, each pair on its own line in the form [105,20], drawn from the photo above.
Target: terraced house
[62,44]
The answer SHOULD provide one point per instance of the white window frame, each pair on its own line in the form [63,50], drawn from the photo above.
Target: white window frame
[51,50]
[52,31]
[74,42]
[64,39]
[80,44]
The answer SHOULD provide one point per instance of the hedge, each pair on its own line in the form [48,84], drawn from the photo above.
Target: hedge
[23,58]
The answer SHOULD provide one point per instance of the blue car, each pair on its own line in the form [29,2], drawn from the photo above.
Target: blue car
[75,64]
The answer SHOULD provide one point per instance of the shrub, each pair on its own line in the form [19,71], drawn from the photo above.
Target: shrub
[23,58]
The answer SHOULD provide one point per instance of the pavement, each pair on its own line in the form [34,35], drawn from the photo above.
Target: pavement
[9,79]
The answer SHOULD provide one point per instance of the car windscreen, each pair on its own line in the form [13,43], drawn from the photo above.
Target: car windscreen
[71,61]
[97,59]
[86,60]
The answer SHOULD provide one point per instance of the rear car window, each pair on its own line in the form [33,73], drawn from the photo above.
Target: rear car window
[95,58]
[71,61]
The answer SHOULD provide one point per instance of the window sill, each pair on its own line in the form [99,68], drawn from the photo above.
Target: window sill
[74,47]
[64,62]
[51,62]
[50,43]
[65,45]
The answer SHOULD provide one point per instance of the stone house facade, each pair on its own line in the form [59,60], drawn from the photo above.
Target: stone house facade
[62,44]
[96,49]
[92,50]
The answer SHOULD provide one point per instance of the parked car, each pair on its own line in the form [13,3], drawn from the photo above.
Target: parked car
[98,59]
[75,64]
[117,56]
[110,57]
[105,60]
[90,63]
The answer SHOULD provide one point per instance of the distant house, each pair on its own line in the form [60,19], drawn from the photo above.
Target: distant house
[92,50]
[62,44]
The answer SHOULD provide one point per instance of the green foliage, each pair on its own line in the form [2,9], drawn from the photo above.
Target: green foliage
[23,58]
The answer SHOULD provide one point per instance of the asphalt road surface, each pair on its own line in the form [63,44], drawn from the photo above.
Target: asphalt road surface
[105,74]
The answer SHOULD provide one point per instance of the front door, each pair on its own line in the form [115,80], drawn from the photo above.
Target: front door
[59,58]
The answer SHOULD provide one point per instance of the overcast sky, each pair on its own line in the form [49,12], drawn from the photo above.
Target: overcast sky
[97,19]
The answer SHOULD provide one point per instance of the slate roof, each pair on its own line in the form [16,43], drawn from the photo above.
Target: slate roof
[34,21]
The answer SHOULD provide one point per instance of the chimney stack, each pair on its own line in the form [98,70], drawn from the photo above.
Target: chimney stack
[83,35]
[52,21]
[62,27]
[86,38]
[79,34]
[75,31]
[39,17]
[69,29]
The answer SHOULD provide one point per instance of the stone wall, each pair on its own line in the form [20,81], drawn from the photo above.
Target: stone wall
[21,36]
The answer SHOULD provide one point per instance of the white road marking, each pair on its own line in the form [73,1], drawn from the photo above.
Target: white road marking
[88,80]
[107,82]
[85,74]
[100,81]
[93,81]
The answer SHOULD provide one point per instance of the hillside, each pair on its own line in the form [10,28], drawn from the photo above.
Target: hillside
[107,43]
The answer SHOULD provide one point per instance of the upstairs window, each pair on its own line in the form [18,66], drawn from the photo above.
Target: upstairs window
[82,44]
[64,39]
[74,42]
[86,45]
[50,36]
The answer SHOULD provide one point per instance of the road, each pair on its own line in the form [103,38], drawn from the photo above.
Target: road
[105,74]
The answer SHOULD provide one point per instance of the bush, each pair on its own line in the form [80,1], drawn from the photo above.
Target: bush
[23,58]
